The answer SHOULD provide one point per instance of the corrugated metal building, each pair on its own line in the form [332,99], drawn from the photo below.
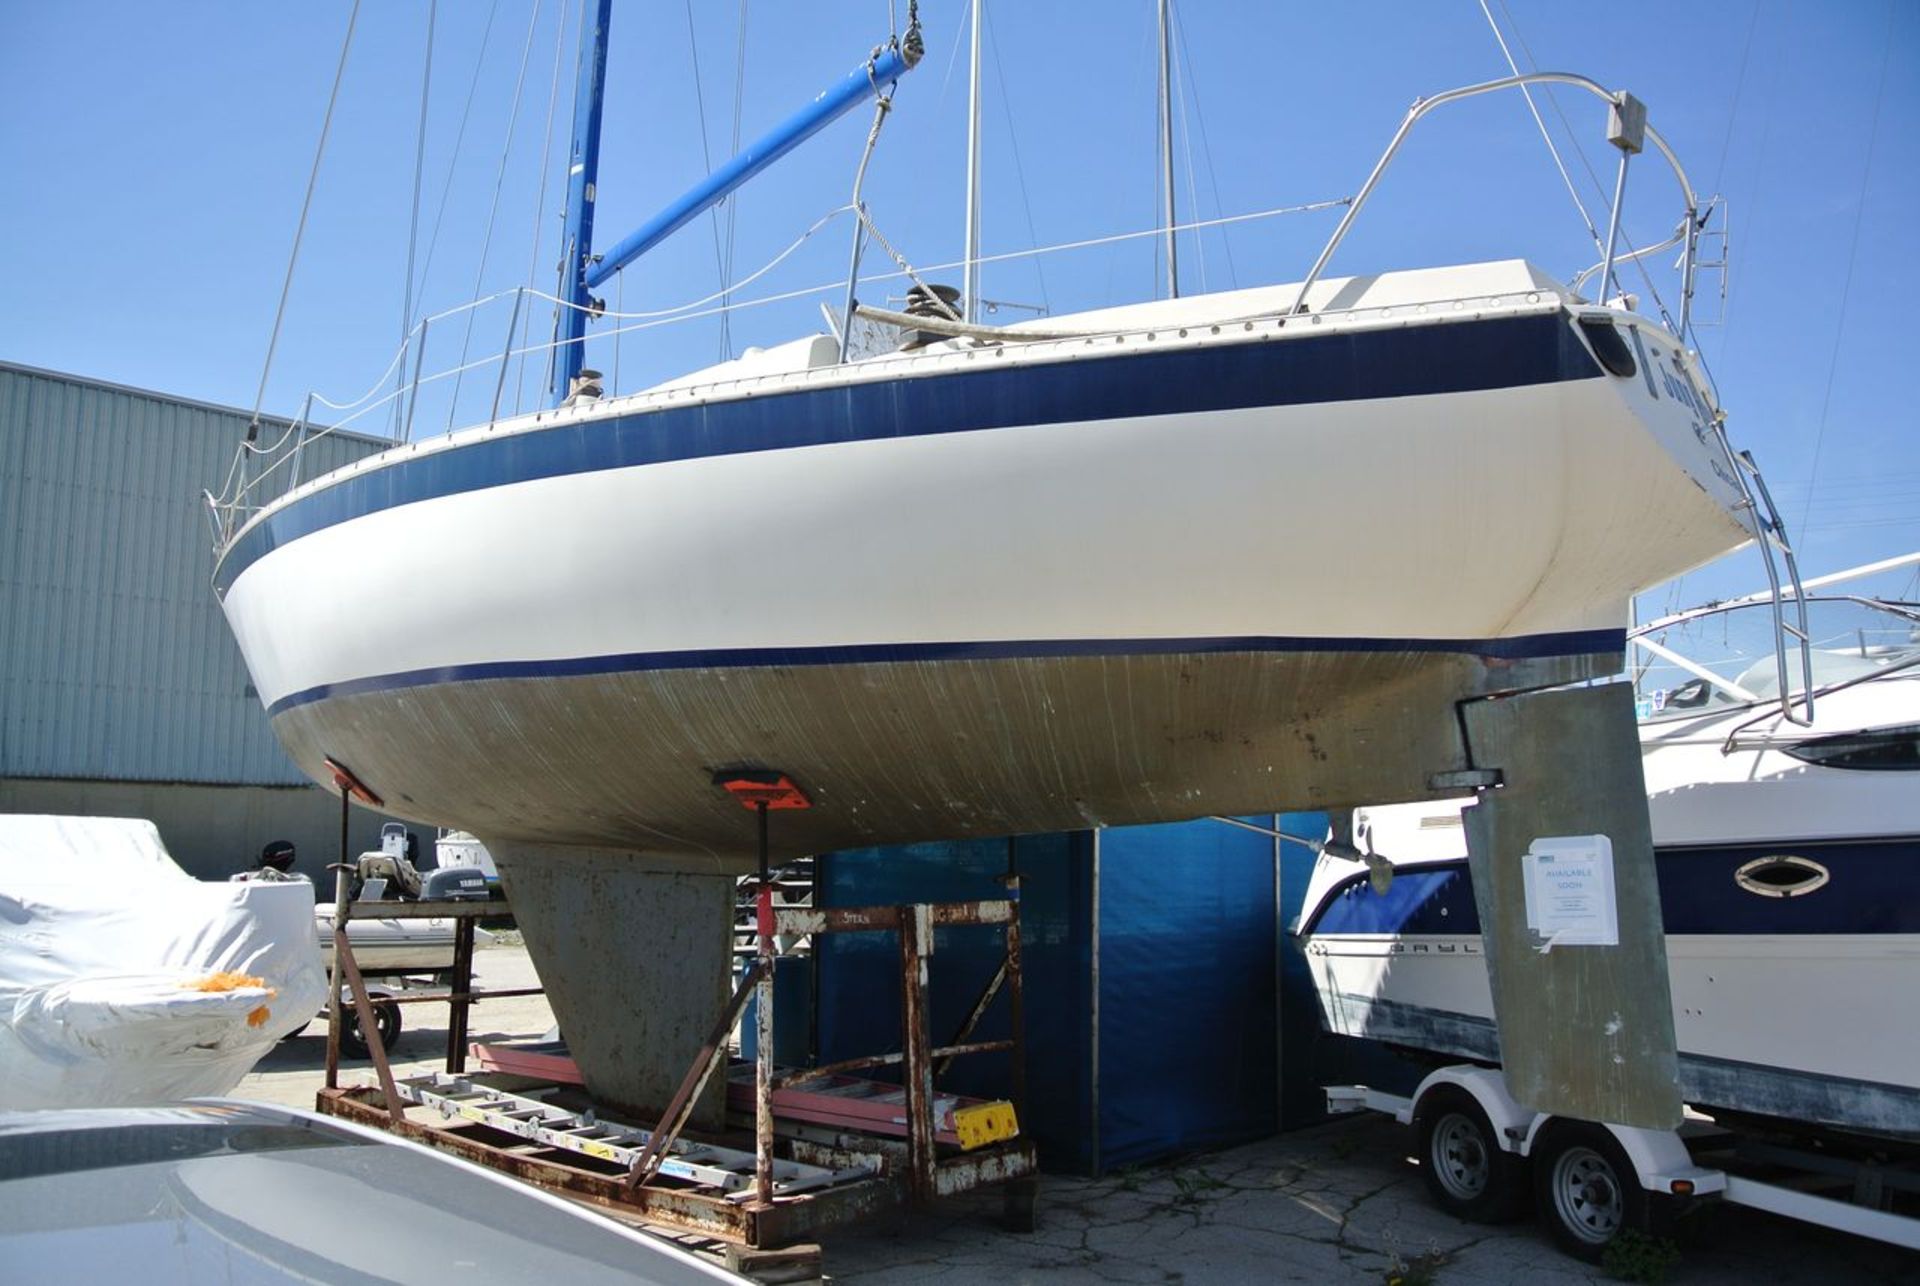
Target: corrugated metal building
[121,691]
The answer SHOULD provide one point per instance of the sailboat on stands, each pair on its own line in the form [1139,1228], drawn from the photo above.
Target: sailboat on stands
[997,580]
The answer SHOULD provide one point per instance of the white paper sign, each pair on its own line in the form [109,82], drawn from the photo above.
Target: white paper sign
[1569,889]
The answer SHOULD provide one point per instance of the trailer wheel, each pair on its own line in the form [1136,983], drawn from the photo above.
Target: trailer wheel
[1466,1171]
[386,1021]
[1586,1190]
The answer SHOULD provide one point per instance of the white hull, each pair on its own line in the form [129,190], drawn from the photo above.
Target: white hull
[392,946]
[1790,1026]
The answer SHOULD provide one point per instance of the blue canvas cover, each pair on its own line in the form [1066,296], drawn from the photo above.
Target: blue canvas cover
[1188,1055]
[1187,1047]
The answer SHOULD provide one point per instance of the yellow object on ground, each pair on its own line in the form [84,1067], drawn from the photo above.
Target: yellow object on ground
[982,1123]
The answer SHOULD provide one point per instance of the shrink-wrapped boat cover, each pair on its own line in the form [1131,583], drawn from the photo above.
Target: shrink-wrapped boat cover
[124,980]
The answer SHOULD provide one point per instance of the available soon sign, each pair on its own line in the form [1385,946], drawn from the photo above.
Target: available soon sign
[1569,890]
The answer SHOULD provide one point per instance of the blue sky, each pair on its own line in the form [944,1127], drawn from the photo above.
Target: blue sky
[157,154]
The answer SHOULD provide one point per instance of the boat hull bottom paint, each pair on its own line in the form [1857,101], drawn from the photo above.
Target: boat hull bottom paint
[635,961]
[894,751]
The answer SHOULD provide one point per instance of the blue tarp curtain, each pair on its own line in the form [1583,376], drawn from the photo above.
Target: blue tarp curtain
[1188,945]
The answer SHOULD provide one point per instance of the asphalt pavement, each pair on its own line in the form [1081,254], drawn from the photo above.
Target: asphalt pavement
[1337,1203]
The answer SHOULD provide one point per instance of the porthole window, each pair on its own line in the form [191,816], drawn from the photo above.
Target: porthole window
[1781,876]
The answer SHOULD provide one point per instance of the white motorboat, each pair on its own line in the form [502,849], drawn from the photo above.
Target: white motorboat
[1789,869]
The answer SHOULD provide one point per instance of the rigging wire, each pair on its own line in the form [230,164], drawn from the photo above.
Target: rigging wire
[697,308]
[1177,88]
[953,54]
[1142,57]
[1579,150]
[1739,86]
[493,209]
[1019,169]
[1767,100]
[706,157]
[413,225]
[300,229]
[733,201]
[1185,48]
[540,199]
[1853,255]
[685,311]
[460,137]
[1546,135]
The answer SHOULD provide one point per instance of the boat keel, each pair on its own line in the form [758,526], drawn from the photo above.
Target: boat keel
[635,961]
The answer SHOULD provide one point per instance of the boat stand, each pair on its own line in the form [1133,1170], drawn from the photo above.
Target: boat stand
[749,1199]
[991,1147]
[346,969]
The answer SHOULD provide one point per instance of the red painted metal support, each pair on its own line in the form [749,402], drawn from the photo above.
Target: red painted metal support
[763,1016]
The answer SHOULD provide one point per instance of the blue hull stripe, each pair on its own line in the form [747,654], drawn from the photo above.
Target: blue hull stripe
[1453,357]
[1874,889]
[1580,643]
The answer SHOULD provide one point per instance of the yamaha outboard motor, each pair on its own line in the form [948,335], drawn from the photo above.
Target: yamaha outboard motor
[455,884]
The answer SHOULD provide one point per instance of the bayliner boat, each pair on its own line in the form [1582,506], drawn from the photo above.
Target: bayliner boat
[1006,579]
[1789,869]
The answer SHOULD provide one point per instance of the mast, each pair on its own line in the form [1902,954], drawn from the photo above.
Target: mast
[972,283]
[583,176]
[1166,153]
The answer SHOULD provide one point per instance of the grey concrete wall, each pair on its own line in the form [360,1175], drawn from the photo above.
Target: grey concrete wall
[213,831]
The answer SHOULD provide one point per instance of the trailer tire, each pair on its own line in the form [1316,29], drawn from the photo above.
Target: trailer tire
[1585,1189]
[386,1021]
[1466,1171]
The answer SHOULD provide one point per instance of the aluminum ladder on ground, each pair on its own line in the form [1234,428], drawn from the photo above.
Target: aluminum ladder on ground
[1770,534]
[727,1169]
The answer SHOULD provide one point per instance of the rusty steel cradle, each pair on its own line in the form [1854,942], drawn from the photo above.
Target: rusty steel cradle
[873,1173]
